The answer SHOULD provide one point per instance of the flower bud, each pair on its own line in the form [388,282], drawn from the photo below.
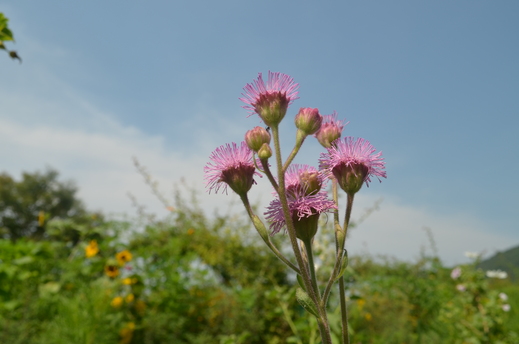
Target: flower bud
[256,137]
[308,120]
[265,152]
[329,131]
[310,181]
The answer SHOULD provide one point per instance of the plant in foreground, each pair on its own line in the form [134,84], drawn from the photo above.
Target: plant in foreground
[299,196]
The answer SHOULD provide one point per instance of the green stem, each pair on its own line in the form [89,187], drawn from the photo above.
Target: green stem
[344,312]
[311,265]
[260,227]
[300,138]
[266,170]
[342,294]
[322,319]
[337,227]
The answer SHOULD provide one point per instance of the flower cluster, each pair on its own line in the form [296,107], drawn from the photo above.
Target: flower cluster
[351,162]
[300,196]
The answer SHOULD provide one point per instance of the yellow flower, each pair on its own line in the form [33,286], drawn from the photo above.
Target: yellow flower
[92,249]
[41,218]
[361,303]
[127,333]
[368,316]
[190,231]
[117,302]
[123,257]
[111,271]
[128,281]
[129,298]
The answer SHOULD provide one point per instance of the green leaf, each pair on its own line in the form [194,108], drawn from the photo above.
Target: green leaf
[5,33]
[344,265]
[49,288]
[301,282]
[305,301]
[23,260]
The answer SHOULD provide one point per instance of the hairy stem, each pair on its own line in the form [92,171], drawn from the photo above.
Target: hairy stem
[322,319]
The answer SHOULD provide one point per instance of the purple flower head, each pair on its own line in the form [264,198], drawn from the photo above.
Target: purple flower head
[270,101]
[330,130]
[352,162]
[231,165]
[303,178]
[304,210]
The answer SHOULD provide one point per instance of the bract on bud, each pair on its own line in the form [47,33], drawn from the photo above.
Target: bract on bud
[256,137]
[264,152]
[308,120]
[306,227]
[351,177]
[329,131]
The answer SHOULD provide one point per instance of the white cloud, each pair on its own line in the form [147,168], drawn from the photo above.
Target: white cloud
[397,229]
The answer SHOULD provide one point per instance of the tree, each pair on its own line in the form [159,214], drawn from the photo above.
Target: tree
[6,35]
[27,205]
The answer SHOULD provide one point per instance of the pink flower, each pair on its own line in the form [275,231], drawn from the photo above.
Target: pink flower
[330,130]
[461,287]
[352,162]
[456,273]
[231,165]
[304,178]
[305,202]
[270,101]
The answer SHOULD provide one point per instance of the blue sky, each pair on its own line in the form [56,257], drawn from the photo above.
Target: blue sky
[434,85]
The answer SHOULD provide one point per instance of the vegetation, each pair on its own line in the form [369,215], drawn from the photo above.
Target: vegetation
[6,35]
[191,279]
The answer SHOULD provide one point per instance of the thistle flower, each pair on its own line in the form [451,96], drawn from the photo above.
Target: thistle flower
[270,101]
[305,201]
[304,210]
[330,130]
[352,162]
[306,179]
[231,165]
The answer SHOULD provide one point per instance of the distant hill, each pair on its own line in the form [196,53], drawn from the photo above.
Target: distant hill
[507,261]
